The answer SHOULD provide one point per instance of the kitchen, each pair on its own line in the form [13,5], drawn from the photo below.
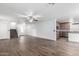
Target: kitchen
[67,29]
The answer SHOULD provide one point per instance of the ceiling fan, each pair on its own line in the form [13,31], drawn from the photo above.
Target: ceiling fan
[30,16]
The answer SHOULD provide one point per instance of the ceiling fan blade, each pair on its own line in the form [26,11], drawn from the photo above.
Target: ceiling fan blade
[31,20]
[36,17]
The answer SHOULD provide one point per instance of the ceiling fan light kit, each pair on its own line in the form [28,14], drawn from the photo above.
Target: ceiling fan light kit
[31,20]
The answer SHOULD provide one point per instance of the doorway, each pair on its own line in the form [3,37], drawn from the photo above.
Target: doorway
[13,33]
[62,29]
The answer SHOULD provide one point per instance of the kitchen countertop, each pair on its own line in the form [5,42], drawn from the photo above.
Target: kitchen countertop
[69,31]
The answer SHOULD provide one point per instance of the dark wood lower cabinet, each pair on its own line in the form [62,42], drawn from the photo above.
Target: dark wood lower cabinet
[63,34]
[13,33]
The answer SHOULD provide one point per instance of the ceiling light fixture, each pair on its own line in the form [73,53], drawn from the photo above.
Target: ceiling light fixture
[51,4]
[30,16]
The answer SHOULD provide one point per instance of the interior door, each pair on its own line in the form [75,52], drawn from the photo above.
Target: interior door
[4,30]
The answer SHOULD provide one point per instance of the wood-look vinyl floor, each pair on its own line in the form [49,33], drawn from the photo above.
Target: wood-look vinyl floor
[31,46]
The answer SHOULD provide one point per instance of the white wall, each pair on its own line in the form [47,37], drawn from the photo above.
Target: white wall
[4,30]
[42,29]
[13,25]
[26,29]
[21,29]
[46,29]
[31,29]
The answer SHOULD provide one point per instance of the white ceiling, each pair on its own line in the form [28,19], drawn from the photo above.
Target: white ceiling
[59,10]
